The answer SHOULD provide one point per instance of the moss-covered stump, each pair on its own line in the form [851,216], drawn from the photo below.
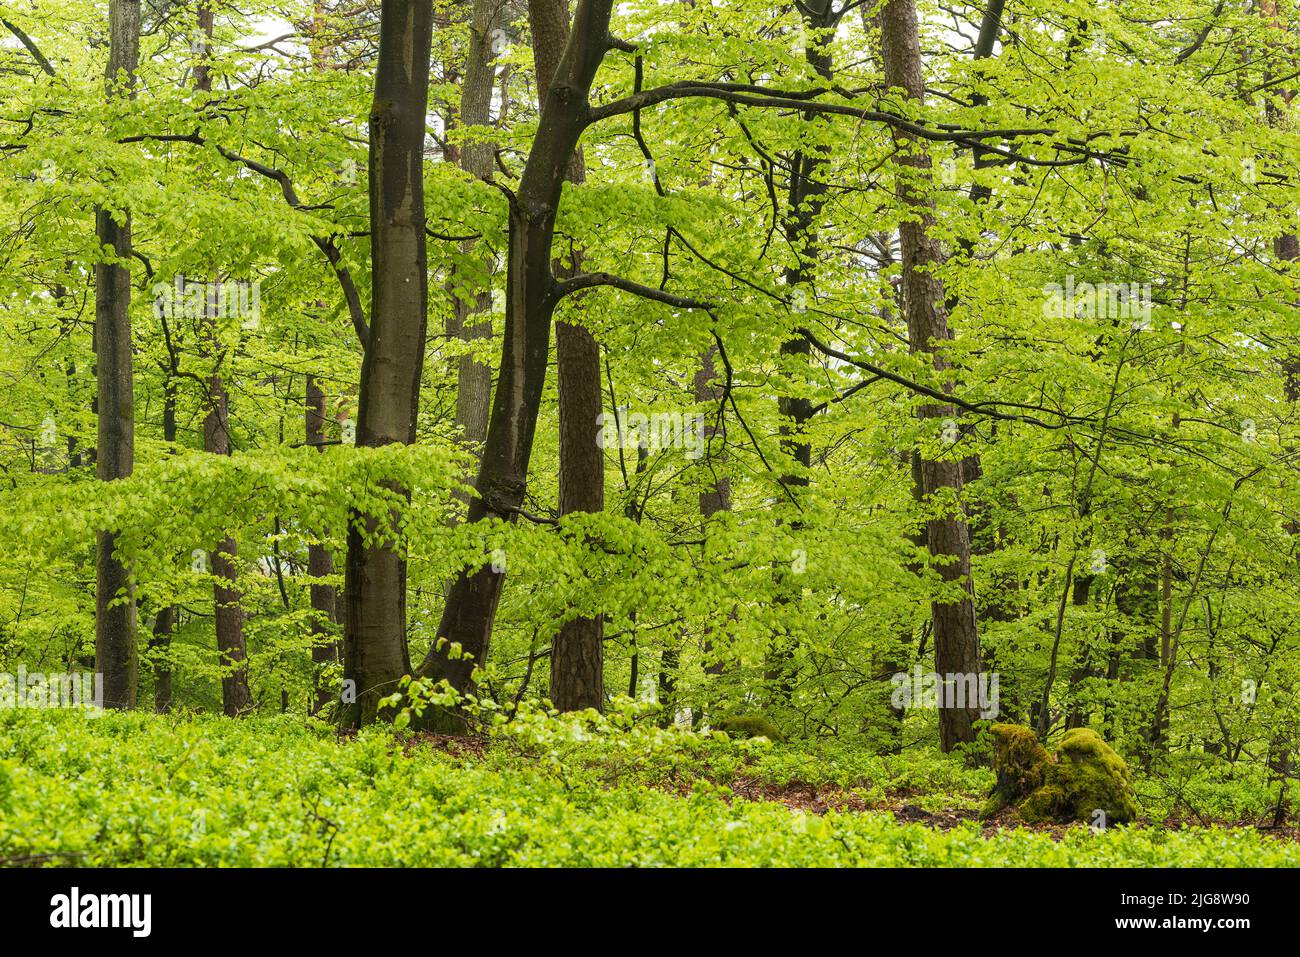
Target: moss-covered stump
[749,726]
[1019,761]
[1084,776]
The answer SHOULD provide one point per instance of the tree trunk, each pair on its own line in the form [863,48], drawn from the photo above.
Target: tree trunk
[577,653]
[375,648]
[803,205]
[530,304]
[231,646]
[474,378]
[164,625]
[115,613]
[716,496]
[320,564]
[956,638]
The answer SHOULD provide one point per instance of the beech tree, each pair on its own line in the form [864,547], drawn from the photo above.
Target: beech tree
[956,637]
[115,622]
[375,646]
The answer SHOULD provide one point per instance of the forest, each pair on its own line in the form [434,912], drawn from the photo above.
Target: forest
[668,433]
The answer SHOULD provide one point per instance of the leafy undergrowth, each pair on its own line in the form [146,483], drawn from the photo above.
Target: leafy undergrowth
[130,789]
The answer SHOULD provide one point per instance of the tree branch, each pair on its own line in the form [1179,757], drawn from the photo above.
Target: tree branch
[30,46]
[325,243]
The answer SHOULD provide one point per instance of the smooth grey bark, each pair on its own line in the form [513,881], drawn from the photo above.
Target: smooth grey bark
[471,321]
[374,593]
[956,636]
[116,657]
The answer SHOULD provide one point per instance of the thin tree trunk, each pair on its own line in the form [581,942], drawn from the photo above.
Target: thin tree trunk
[956,636]
[231,649]
[327,647]
[375,643]
[471,321]
[164,625]
[115,611]
[716,496]
[231,645]
[320,564]
[803,206]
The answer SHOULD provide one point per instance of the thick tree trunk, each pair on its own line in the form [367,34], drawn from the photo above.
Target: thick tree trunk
[956,649]
[577,653]
[375,645]
[530,304]
[320,564]
[115,612]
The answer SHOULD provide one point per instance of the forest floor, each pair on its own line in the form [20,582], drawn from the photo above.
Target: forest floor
[186,790]
[908,804]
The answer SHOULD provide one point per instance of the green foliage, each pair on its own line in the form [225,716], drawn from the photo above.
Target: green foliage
[136,789]
[749,726]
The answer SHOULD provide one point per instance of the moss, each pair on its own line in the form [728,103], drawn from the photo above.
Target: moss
[1020,762]
[749,726]
[1045,804]
[1092,778]
[1083,777]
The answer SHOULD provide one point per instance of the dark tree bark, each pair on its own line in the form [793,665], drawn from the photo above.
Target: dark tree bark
[320,564]
[956,637]
[164,625]
[236,699]
[530,305]
[803,205]
[115,610]
[577,653]
[231,648]
[375,644]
